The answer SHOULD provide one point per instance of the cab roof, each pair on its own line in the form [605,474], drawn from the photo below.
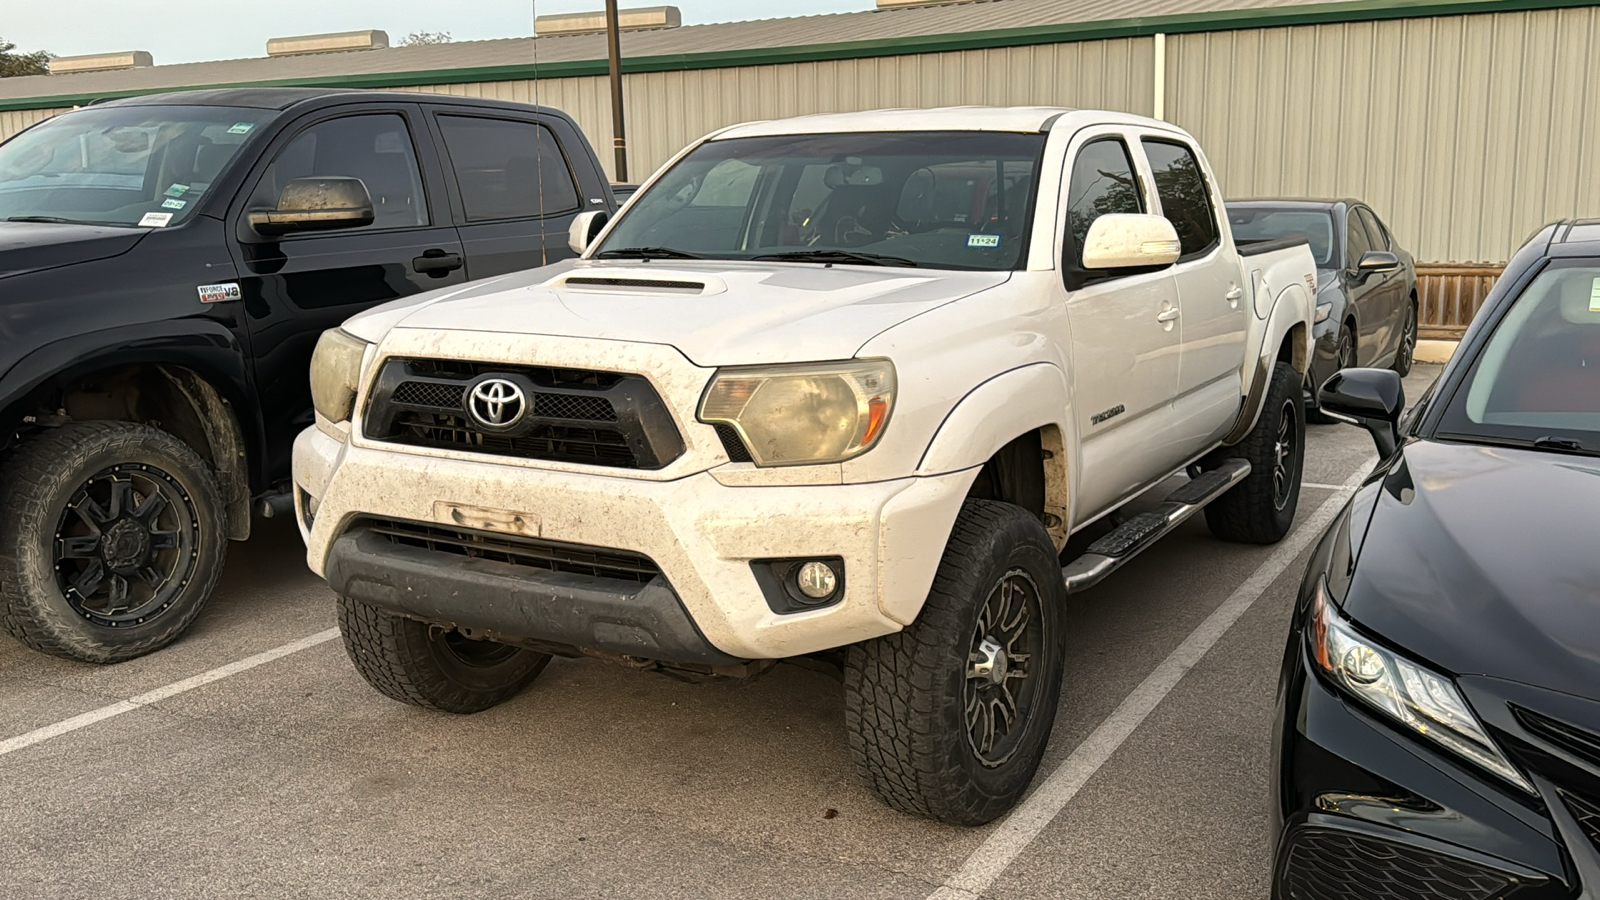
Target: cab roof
[282,98]
[1021,119]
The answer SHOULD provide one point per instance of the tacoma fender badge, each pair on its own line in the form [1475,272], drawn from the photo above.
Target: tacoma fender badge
[220,293]
[1111,413]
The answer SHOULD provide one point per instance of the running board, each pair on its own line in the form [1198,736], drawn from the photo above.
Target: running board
[1135,535]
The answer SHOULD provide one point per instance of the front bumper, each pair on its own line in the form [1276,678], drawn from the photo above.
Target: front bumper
[701,534]
[1362,810]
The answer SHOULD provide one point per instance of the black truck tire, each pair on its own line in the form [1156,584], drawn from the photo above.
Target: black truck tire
[111,539]
[921,709]
[433,667]
[1260,509]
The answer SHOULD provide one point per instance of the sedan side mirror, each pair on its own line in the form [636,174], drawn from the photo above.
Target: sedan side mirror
[585,228]
[1377,261]
[320,203]
[1371,398]
[1130,241]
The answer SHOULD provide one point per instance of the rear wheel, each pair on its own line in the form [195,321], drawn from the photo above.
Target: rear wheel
[430,666]
[111,539]
[949,717]
[1260,509]
[1407,351]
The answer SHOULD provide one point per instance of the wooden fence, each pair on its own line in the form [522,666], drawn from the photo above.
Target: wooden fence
[1450,294]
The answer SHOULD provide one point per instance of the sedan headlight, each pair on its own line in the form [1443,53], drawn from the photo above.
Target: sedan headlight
[806,414]
[336,374]
[1411,695]
[1323,309]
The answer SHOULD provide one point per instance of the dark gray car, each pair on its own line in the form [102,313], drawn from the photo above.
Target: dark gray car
[1366,284]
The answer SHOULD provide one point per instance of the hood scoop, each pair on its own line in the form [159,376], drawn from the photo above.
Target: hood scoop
[635,282]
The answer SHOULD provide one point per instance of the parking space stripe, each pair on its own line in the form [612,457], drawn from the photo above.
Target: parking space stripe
[1017,830]
[40,735]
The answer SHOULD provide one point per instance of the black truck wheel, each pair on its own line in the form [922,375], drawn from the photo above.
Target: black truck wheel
[433,667]
[111,539]
[1260,509]
[949,717]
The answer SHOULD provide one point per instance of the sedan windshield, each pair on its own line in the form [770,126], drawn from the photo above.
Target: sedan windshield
[1536,383]
[941,200]
[1268,223]
[121,165]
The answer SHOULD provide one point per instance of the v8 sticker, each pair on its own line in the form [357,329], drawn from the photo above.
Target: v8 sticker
[220,293]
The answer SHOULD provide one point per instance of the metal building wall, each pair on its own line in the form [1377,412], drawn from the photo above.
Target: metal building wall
[1465,133]
[14,120]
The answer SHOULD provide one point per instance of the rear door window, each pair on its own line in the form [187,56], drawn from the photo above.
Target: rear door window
[375,148]
[1185,199]
[1102,183]
[508,169]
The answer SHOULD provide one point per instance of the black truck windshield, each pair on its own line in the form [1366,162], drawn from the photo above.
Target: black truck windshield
[938,200]
[130,165]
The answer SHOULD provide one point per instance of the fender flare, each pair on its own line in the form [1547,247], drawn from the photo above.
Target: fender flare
[1292,307]
[995,413]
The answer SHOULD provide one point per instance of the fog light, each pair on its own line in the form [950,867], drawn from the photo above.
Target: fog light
[817,580]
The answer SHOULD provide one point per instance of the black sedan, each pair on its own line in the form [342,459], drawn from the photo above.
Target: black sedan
[1438,732]
[1366,283]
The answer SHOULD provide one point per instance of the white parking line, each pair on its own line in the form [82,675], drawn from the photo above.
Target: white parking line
[1322,487]
[1017,830]
[40,735]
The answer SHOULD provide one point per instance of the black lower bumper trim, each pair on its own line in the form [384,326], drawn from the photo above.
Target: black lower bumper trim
[517,604]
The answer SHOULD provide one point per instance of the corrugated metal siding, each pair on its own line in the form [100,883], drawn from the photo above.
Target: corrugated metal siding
[14,120]
[1465,132]
[667,110]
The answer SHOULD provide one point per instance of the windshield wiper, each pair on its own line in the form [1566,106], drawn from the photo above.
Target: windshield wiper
[647,253]
[53,220]
[1556,442]
[839,256]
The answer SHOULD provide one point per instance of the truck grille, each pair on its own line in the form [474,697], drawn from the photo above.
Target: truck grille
[571,415]
[535,553]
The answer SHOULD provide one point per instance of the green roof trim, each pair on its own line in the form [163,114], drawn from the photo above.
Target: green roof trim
[1182,23]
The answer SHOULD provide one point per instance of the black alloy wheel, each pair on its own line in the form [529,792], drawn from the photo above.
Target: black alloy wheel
[1286,452]
[1406,353]
[1000,692]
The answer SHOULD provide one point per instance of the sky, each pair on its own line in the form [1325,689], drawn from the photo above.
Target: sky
[176,31]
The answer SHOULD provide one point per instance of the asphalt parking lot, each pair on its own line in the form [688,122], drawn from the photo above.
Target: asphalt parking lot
[250,760]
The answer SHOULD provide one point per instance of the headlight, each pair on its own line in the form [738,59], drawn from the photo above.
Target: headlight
[1411,695]
[803,415]
[336,374]
[1323,310]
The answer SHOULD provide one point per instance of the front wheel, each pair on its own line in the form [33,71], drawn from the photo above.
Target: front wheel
[111,539]
[1260,509]
[949,717]
[433,667]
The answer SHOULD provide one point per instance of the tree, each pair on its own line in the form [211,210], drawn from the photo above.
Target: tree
[424,38]
[14,64]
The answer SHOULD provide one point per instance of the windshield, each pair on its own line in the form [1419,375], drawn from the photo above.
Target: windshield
[1537,379]
[943,200]
[126,165]
[1266,223]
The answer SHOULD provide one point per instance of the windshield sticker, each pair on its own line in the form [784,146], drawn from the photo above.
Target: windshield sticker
[983,240]
[174,203]
[177,190]
[219,293]
[1594,296]
[155,220]
[242,128]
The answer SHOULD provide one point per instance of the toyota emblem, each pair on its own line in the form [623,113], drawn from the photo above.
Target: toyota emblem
[497,404]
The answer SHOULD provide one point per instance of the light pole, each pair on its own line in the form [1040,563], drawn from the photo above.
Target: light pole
[614,46]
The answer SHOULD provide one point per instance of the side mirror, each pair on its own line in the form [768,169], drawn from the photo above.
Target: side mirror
[585,228]
[321,203]
[1130,241]
[1371,398]
[1377,261]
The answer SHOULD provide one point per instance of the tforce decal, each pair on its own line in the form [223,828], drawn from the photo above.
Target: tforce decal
[219,293]
[1111,413]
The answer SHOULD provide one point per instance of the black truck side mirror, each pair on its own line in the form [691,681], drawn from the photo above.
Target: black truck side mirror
[320,203]
[1371,398]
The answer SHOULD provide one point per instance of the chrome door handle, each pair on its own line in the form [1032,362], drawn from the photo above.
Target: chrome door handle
[1167,315]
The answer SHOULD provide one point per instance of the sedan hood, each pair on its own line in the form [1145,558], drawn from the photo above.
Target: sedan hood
[715,313]
[30,246]
[1483,561]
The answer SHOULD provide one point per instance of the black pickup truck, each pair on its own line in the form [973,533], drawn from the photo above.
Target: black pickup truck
[167,265]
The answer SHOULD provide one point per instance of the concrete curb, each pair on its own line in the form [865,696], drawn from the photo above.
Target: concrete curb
[1435,351]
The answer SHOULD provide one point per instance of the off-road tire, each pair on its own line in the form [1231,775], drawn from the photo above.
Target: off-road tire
[1254,511]
[1406,353]
[418,663]
[905,700]
[40,479]
[1347,358]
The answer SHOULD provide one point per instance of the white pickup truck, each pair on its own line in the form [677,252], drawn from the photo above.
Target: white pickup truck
[841,385]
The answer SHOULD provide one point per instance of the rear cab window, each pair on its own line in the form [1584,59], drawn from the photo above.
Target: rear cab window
[1185,198]
[507,169]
